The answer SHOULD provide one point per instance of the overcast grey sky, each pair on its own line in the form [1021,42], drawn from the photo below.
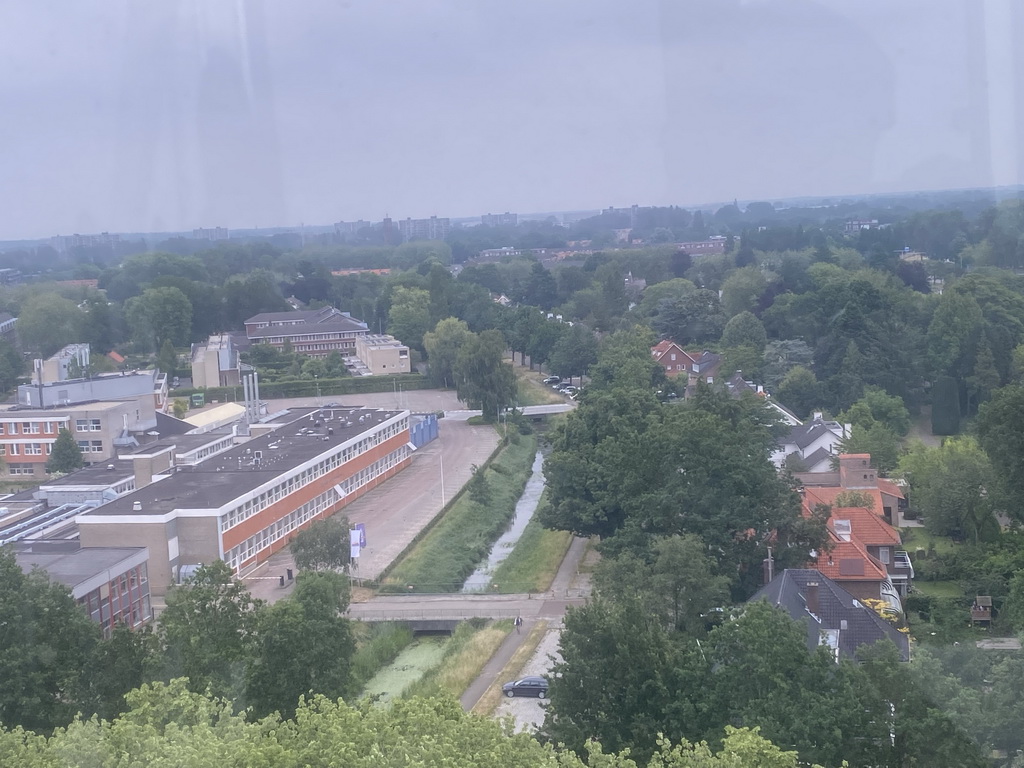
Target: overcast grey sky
[132,115]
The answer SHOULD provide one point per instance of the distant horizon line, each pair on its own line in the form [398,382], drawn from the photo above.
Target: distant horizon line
[831,200]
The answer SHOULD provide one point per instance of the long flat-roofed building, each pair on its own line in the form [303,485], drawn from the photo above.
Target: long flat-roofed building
[315,332]
[243,504]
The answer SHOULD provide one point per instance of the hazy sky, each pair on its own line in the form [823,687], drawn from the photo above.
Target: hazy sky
[134,115]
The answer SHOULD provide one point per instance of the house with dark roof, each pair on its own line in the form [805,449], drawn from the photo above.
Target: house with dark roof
[737,387]
[811,446]
[833,616]
[315,332]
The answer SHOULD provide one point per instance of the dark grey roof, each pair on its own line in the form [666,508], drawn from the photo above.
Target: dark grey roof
[326,326]
[816,456]
[71,564]
[806,434]
[788,590]
[305,434]
[168,425]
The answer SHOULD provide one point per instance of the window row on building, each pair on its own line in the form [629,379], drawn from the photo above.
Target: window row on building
[281,528]
[300,479]
[26,449]
[29,427]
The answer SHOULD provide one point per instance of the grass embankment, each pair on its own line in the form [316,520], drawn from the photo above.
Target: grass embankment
[938,588]
[492,696]
[471,647]
[532,565]
[447,554]
[377,645]
[531,389]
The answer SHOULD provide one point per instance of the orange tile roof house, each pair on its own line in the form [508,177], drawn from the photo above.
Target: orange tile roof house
[865,552]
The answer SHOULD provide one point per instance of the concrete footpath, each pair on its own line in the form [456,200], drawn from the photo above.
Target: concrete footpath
[550,607]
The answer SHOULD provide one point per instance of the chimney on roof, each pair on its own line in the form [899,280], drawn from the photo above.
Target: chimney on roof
[811,597]
[818,416]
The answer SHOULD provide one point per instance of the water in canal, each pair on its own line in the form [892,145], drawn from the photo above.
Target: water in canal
[525,507]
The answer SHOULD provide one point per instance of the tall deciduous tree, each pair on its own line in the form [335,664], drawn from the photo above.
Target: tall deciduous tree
[323,546]
[304,646]
[800,391]
[483,379]
[46,643]
[48,322]
[1001,434]
[159,315]
[409,316]
[574,352]
[442,345]
[65,455]
[208,630]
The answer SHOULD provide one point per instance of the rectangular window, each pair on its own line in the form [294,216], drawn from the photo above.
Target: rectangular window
[14,449]
[30,427]
[883,554]
[81,425]
[96,446]
[94,425]
[84,445]
[33,449]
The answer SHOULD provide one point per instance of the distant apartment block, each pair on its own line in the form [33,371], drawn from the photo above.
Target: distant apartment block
[707,247]
[215,363]
[316,332]
[500,219]
[853,226]
[65,243]
[349,228]
[380,354]
[212,234]
[424,229]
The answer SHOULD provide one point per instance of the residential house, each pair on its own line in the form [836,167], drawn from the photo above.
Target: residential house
[856,473]
[811,447]
[833,616]
[675,360]
[737,386]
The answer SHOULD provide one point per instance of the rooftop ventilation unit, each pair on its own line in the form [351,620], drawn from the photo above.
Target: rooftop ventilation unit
[136,506]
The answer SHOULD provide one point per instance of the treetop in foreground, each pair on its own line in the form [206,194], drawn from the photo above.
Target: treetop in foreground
[167,725]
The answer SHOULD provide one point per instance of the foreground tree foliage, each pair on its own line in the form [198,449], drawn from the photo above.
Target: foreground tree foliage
[323,546]
[168,725]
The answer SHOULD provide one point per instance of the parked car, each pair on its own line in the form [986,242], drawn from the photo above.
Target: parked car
[552,380]
[527,686]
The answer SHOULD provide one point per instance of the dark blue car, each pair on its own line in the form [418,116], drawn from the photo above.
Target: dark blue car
[527,686]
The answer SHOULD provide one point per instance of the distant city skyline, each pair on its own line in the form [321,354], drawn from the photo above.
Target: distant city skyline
[192,115]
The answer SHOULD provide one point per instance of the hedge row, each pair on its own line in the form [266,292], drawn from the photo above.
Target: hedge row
[348,385]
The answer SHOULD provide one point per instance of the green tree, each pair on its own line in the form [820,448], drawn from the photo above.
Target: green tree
[442,346]
[945,406]
[158,315]
[117,666]
[744,329]
[984,378]
[208,630]
[167,359]
[304,646]
[951,486]
[670,290]
[541,289]
[409,316]
[782,356]
[878,440]
[47,322]
[12,365]
[323,546]
[675,582]
[483,379]
[46,643]
[574,352]
[693,319]
[953,334]
[1001,434]
[439,280]
[800,391]
[742,289]
[877,406]
[65,455]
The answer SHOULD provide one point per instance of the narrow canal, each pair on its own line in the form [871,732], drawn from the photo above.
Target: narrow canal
[525,509]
